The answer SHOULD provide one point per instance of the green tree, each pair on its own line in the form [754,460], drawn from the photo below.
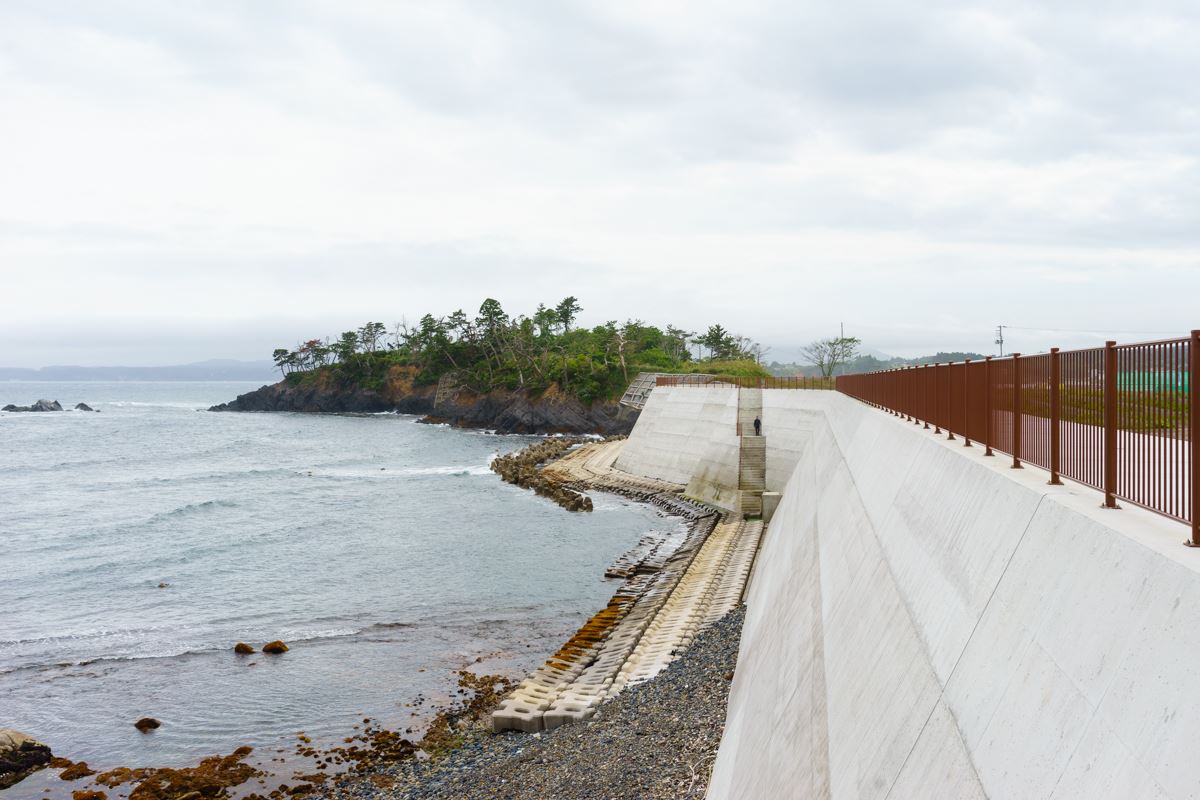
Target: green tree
[567,311]
[546,320]
[282,357]
[491,317]
[370,334]
[829,354]
[677,342]
[346,346]
[716,339]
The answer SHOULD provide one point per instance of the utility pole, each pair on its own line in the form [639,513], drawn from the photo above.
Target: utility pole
[1000,338]
[843,327]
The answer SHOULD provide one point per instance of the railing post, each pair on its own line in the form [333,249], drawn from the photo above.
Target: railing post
[987,404]
[924,384]
[1055,416]
[937,398]
[914,395]
[1016,419]
[1194,431]
[948,404]
[966,404]
[914,401]
[1110,424]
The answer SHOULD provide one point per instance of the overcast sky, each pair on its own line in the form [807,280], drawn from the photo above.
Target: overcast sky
[181,181]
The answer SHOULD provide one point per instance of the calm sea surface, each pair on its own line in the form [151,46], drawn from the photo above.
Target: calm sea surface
[384,552]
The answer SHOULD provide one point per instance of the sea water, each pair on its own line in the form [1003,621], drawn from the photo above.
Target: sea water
[139,544]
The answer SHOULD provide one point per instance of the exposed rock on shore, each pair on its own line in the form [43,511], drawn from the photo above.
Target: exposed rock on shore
[19,756]
[505,411]
[521,468]
[40,405]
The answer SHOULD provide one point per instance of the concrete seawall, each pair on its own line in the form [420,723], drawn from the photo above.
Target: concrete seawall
[925,622]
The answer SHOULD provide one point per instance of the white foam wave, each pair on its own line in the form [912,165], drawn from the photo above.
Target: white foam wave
[468,469]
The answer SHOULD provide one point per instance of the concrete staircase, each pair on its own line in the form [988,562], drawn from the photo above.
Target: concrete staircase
[752,455]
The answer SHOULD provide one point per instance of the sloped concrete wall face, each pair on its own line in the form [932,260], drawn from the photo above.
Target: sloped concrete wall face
[925,622]
[685,431]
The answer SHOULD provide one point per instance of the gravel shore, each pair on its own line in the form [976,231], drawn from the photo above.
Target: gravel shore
[655,740]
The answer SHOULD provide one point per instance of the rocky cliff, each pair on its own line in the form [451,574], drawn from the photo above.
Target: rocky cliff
[504,411]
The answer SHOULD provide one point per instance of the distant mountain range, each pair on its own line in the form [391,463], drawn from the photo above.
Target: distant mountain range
[214,370]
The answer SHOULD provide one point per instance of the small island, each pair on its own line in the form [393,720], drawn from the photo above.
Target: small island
[538,373]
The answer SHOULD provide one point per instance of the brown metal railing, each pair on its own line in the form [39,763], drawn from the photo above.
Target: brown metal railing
[1121,419]
[793,382]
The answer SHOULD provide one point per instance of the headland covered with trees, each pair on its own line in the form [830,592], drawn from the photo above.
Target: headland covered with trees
[494,350]
[524,373]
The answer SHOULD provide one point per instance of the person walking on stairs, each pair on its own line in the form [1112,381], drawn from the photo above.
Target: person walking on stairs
[757,426]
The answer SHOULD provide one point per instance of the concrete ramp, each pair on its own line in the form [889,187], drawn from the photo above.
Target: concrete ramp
[924,622]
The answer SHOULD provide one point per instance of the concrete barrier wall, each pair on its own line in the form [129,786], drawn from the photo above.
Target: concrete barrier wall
[925,622]
[688,435]
[788,418]
[683,432]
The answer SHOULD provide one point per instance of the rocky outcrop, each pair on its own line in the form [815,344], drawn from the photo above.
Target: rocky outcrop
[147,724]
[40,405]
[19,756]
[521,468]
[551,411]
[275,648]
[83,407]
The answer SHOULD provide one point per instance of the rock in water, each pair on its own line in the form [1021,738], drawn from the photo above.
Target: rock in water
[40,405]
[75,771]
[146,724]
[83,407]
[274,648]
[243,649]
[19,756]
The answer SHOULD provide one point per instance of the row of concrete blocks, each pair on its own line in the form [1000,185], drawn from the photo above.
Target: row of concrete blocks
[535,704]
[581,699]
[603,678]
[525,706]
[734,574]
[717,591]
[629,561]
[678,506]
[684,614]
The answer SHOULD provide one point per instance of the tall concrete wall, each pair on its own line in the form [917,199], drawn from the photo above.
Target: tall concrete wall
[688,435]
[925,622]
[683,432]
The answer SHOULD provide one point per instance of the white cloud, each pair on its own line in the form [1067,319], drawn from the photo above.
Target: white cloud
[920,173]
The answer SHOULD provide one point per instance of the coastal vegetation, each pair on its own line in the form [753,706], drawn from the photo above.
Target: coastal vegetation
[495,350]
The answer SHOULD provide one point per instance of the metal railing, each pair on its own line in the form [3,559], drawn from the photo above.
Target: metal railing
[792,382]
[1120,418]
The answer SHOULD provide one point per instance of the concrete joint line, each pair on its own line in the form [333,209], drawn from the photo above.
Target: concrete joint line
[942,690]
[967,644]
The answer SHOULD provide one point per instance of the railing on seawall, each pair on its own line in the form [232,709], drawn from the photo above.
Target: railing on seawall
[1122,419]
[791,382]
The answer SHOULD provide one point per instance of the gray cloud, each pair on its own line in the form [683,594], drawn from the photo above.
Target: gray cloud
[225,177]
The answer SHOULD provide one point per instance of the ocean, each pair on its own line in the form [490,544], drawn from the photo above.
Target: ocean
[141,543]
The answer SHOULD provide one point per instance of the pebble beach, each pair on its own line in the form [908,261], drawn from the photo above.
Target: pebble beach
[655,740]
